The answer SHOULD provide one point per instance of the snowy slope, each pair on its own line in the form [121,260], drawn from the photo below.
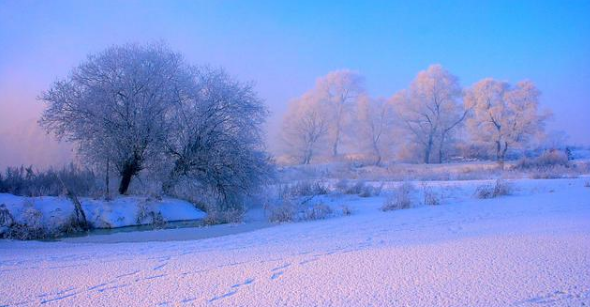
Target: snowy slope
[529,249]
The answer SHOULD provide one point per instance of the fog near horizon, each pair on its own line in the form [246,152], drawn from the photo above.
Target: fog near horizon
[285,46]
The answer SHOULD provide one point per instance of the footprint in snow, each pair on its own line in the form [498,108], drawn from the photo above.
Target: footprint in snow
[276,275]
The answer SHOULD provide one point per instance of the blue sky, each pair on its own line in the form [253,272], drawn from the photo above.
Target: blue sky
[285,45]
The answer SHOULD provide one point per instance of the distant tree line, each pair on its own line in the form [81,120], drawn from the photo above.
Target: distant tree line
[426,121]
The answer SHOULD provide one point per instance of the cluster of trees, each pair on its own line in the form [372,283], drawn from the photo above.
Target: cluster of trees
[426,121]
[143,108]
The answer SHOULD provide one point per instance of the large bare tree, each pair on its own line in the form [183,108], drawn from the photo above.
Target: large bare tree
[338,90]
[143,107]
[374,126]
[504,116]
[430,111]
[305,127]
[116,103]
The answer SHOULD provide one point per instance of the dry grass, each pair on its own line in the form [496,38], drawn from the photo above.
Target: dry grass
[499,188]
[400,198]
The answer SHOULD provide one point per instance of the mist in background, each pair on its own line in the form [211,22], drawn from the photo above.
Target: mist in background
[283,46]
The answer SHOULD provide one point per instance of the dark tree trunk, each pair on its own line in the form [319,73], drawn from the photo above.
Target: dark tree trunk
[129,170]
[501,153]
[428,151]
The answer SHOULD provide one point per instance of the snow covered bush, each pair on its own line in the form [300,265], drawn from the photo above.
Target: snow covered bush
[360,188]
[431,198]
[215,217]
[548,159]
[346,210]
[587,184]
[317,211]
[499,188]
[282,211]
[6,220]
[400,198]
[29,227]
[308,188]
[147,216]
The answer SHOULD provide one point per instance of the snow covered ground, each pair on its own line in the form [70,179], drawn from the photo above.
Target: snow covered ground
[119,212]
[527,249]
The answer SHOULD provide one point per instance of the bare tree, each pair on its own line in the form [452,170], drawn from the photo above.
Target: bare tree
[339,91]
[430,110]
[305,127]
[118,100]
[505,116]
[217,139]
[375,124]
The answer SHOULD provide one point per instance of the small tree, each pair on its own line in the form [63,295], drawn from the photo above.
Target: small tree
[375,123]
[505,116]
[305,127]
[338,90]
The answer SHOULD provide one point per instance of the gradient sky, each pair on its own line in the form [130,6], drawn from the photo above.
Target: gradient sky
[285,45]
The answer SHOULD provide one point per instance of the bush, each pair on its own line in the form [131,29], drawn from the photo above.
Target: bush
[224,217]
[146,216]
[587,184]
[308,188]
[283,211]
[548,159]
[346,210]
[360,188]
[500,188]
[317,211]
[6,220]
[431,198]
[401,198]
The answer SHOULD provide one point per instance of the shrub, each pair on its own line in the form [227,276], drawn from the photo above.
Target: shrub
[587,184]
[308,188]
[500,188]
[400,198]
[360,188]
[548,159]
[224,217]
[317,211]
[431,198]
[147,216]
[283,211]
[6,220]
[346,210]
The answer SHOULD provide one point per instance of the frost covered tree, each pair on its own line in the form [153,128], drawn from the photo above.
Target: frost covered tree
[217,140]
[305,127]
[430,110]
[116,103]
[505,116]
[375,122]
[338,90]
[143,107]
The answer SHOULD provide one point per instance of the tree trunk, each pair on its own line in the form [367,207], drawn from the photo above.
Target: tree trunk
[335,145]
[501,153]
[129,170]
[107,180]
[440,149]
[428,150]
[378,154]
